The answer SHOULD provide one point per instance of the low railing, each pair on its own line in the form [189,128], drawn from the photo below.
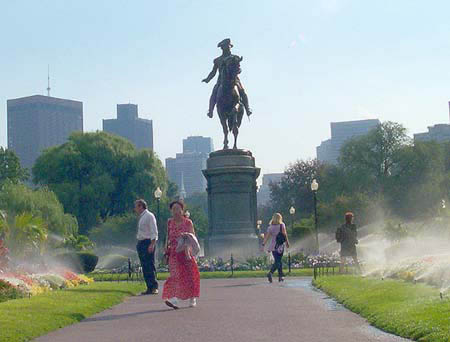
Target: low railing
[332,268]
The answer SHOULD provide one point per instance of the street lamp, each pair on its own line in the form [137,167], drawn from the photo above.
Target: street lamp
[258,231]
[314,188]
[292,212]
[158,194]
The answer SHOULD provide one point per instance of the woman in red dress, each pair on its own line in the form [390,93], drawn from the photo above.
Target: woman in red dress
[184,280]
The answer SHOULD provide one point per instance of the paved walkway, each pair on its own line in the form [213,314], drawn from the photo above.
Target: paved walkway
[229,310]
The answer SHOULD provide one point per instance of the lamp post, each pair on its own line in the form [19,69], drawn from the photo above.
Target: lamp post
[292,212]
[158,194]
[260,235]
[314,188]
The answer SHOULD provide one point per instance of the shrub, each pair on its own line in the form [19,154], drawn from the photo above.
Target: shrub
[84,262]
[7,291]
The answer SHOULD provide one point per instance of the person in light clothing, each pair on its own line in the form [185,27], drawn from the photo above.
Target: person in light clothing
[147,235]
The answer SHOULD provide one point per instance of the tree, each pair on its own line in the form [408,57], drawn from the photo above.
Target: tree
[369,159]
[99,175]
[10,168]
[28,235]
[78,243]
[16,199]
[418,181]
[294,189]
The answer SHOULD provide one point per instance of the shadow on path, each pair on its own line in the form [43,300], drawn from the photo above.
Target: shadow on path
[131,314]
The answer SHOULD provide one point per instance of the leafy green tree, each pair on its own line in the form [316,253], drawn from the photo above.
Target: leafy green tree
[418,181]
[119,230]
[199,219]
[295,188]
[28,235]
[4,227]
[10,169]
[99,175]
[16,199]
[78,243]
[369,160]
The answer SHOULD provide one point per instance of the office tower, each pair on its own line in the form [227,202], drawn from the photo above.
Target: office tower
[185,169]
[130,126]
[198,144]
[38,122]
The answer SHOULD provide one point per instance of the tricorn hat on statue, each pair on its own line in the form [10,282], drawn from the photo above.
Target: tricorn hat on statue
[226,41]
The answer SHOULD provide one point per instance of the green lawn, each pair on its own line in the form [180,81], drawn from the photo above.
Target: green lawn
[404,309]
[27,318]
[206,275]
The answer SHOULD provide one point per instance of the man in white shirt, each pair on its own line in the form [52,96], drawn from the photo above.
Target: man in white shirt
[147,235]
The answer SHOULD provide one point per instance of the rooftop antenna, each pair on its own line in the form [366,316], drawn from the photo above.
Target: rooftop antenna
[48,80]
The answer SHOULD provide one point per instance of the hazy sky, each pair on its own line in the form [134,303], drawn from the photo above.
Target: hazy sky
[306,63]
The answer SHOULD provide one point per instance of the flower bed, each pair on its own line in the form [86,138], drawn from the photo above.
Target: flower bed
[17,285]
[432,269]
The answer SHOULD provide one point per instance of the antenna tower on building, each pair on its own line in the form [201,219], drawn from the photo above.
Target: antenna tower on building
[48,80]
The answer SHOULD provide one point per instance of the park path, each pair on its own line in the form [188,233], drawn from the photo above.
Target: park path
[231,310]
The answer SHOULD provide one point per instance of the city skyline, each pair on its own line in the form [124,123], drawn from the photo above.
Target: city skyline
[305,65]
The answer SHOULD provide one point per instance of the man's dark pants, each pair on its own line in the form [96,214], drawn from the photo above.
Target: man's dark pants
[148,263]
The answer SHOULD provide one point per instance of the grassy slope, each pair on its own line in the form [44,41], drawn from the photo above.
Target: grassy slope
[405,309]
[24,319]
[209,275]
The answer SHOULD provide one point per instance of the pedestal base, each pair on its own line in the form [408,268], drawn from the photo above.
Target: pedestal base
[231,176]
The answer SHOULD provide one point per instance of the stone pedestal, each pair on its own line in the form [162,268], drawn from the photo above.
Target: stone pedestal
[231,177]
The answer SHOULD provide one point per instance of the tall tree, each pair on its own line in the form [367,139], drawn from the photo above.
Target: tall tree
[370,159]
[97,175]
[418,181]
[294,189]
[10,168]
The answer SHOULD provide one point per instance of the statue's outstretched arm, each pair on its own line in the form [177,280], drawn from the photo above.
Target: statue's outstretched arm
[211,74]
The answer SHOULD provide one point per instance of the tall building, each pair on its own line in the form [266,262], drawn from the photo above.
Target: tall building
[38,122]
[329,150]
[130,126]
[438,133]
[185,169]
[264,190]
[198,144]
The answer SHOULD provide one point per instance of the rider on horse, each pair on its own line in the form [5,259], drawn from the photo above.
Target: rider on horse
[219,64]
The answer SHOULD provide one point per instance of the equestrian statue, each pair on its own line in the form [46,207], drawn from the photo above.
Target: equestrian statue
[228,94]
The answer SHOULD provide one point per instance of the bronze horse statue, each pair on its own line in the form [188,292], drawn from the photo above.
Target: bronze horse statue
[229,102]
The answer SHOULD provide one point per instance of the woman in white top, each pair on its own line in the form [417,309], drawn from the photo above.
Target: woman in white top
[276,227]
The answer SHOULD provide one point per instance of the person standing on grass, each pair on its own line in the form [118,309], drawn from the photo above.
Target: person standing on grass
[346,235]
[147,235]
[184,279]
[277,232]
